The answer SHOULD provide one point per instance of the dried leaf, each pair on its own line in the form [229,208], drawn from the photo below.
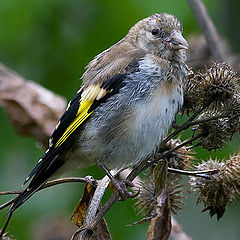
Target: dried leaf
[80,211]
[160,176]
[38,107]
[160,226]
[101,232]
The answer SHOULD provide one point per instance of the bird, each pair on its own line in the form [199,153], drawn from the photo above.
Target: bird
[128,99]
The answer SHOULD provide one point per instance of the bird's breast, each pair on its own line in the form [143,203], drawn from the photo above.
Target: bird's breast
[154,117]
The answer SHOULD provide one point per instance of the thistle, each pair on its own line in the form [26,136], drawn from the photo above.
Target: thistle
[220,189]
[218,84]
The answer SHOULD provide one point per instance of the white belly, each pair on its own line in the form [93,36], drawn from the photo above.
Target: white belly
[153,120]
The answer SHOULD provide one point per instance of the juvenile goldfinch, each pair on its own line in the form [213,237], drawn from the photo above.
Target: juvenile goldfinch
[128,100]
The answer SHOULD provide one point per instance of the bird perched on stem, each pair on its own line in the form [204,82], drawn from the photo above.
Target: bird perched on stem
[128,100]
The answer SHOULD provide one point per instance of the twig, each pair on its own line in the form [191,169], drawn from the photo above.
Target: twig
[188,123]
[93,207]
[200,121]
[87,179]
[203,173]
[6,204]
[208,28]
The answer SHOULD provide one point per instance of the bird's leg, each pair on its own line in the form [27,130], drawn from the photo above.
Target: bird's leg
[120,185]
[174,124]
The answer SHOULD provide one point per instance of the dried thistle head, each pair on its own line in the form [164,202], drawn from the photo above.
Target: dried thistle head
[214,133]
[218,84]
[223,83]
[146,204]
[175,193]
[180,158]
[148,201]
[216,127]
[220,189]
[193,92]
[233,112]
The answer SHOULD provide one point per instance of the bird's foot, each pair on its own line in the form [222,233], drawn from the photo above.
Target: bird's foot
[121,186]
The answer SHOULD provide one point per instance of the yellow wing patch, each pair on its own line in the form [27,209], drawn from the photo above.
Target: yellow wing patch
[88,96]
[82,115]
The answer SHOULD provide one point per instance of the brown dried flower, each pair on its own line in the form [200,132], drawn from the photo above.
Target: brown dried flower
[216,127]
[148,200]
[218,83]
[180,158]
[220,189]
[215,133]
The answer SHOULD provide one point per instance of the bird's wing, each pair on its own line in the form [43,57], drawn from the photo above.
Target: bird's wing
[88,98]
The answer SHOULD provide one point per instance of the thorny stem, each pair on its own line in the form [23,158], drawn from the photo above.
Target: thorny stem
[203,173]
[211,119]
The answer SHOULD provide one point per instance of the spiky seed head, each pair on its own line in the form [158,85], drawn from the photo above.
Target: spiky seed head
[220,189]
[219,83]
[181,158]
[148,201]
[214,133]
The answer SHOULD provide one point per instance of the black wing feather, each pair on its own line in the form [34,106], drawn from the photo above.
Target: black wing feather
[67,117]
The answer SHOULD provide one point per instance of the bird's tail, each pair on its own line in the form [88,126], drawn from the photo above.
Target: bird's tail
[45,168]
[22,197]
[16,203]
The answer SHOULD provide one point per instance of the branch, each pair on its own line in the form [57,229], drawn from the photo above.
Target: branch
[208,28]
[203,173]
[93,208]
[87,179]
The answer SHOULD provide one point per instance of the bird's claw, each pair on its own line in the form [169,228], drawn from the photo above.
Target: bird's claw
[121,186]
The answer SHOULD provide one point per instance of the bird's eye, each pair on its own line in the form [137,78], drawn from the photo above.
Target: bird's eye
[160,33]
[155,31]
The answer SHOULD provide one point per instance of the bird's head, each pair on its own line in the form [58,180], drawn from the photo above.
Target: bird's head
[160,34]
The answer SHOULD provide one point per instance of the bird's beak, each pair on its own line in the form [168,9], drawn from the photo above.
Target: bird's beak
[178,41]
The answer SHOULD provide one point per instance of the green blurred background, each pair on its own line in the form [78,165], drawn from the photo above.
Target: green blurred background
[50,42]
